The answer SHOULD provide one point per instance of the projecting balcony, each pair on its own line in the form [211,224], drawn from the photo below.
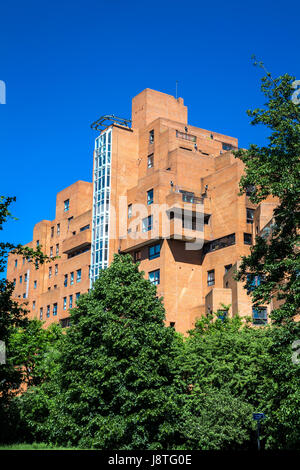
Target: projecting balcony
[181,199]
[80,241]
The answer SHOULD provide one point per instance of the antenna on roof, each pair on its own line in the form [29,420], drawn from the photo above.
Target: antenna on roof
[176,89]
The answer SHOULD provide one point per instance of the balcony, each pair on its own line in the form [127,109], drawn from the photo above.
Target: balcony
[77,242]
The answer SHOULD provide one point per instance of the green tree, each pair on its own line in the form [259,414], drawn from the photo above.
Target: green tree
[115,372]
[12,315]
[274,170]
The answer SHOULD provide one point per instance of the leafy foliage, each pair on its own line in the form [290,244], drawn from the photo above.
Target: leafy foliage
[274,171]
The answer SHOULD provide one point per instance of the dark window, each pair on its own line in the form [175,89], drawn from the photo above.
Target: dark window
[172,324]
[57,249]
[65,322]
[86,227]
[137,256]
[154,277]
[150,161]
[249,215]
[154,251]
[227,267]
[41,313]
[66,280]
[219,243]
[69,220]
[55,309]
[259,316]
[48,311]
[247,239]
[227,146]
[250,190]
[66,205]
[150,196]
[151,136]
[52,232]
[58,229]
[16,263]
[38,243]
[129,211]
[211,277]
[78,275]
[79,251]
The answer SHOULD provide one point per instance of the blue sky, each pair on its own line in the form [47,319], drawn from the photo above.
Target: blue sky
[66,63]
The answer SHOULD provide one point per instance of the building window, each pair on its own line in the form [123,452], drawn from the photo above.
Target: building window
[154,251]
[16,263]
[154,277]
[71,278]
[253,282]
[227,267]
[150,161]
[41,313]
[66,280]
[259,316]
[57,249]
[48,311]
[222,314]
[250,190]
[137,256]
[172,324]
[24,295]
[227,146]
[151,136]
[51,251]
[185,136]
[65,322]
[14,282]
[247,238]
[66,205]
[65,303]
[55,286]
[211,277]
[50,272]
[129,211]
[77,295]
[23,261]
[56,270]
[25,277]
[33,305]
[78,275]
[52,232]
[38,243]
[249,215]
[147,223]
[219,243]
[150,196]
[58,229]
[86,227]
[69,220]
[54,309]
[71,301]
[21,279]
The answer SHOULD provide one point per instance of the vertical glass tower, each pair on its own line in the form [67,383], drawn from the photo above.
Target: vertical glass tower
[101,202]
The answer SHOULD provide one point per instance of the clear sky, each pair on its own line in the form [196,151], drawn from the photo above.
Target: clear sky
[66,63]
